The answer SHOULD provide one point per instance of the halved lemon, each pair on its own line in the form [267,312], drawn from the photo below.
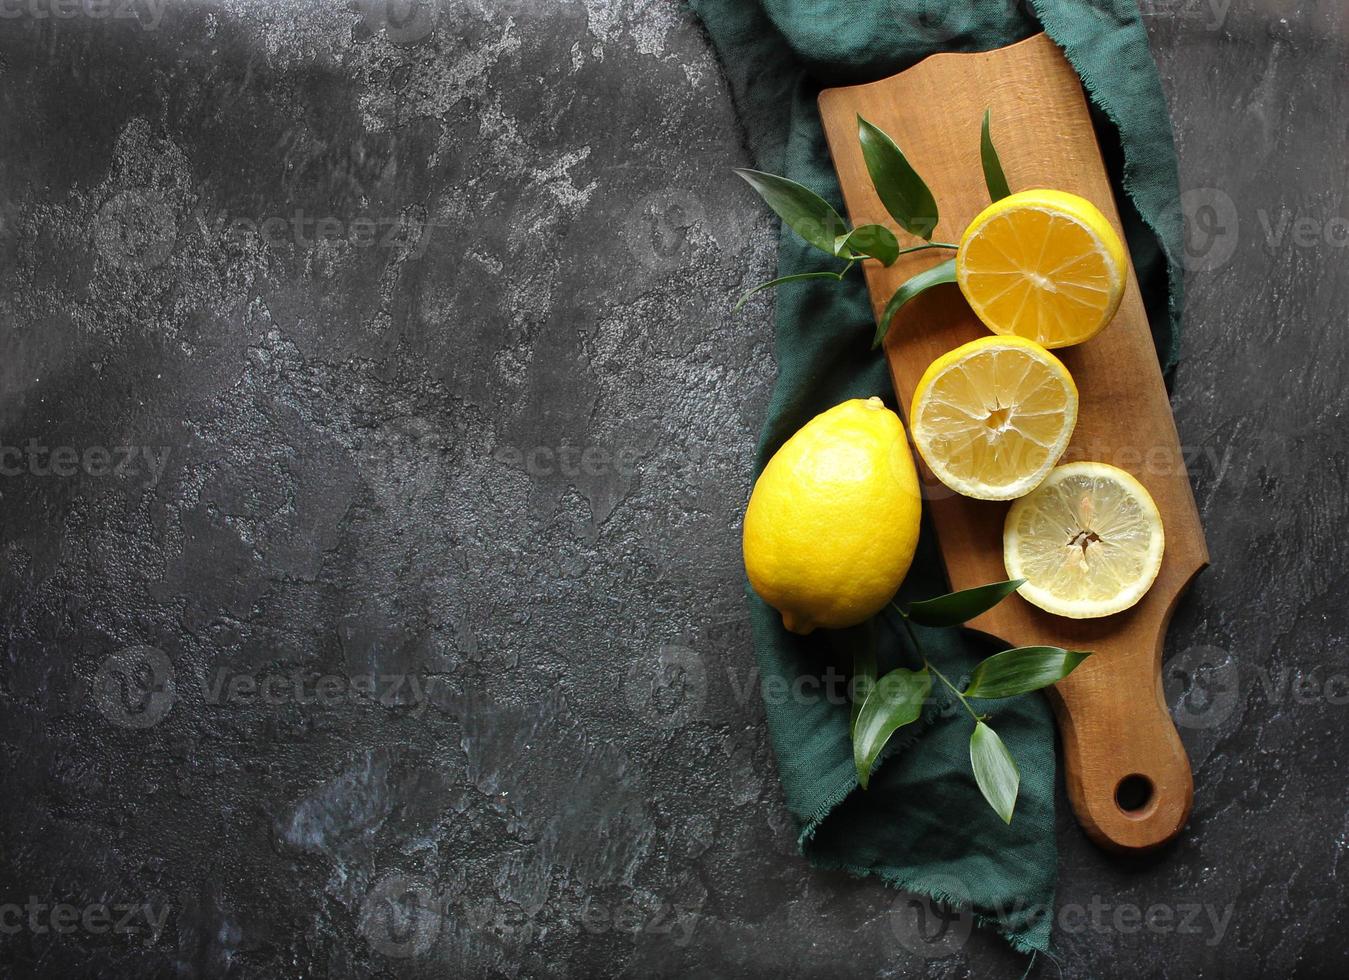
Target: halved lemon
[1088,541]
[1042,264]
[992,417]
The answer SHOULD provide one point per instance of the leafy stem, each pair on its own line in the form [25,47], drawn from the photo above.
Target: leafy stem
[796,278]
[927,245]
[942,272]
[953,689]
[905,196]
[927,664]
[896,699]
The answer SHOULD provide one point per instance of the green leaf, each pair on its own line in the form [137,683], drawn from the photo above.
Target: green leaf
[895,701]
[898,185]
[938,274]
[1022,669]
[994,178]
[804,211]
[784,279]
[864,679]
[870,241]
[955,608]
[994,770]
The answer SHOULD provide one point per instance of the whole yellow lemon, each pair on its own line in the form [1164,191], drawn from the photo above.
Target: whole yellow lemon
[833,520]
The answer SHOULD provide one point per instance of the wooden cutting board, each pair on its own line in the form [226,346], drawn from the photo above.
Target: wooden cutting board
[1127,773]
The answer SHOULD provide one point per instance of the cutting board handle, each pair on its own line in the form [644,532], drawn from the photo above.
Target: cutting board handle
[1134,793]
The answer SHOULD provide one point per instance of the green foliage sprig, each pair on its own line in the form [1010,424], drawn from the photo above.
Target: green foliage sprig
[883,705]
[905,196]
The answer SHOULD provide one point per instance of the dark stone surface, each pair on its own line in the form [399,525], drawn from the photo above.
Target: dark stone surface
[417,330]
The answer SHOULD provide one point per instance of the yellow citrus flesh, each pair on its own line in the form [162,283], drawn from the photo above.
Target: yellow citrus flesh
[832,522]
[991,418]
[1088,541]
[1042,264]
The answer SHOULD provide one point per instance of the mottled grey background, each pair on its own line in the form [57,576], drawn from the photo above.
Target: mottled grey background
[389,349]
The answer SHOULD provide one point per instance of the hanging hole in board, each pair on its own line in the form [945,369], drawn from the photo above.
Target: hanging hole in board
[1134,793]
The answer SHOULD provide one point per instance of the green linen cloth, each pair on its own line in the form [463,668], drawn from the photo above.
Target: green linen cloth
[922,825]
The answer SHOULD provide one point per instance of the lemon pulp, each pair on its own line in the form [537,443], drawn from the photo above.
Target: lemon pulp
[1042,264]
[991,418]
[1088,541]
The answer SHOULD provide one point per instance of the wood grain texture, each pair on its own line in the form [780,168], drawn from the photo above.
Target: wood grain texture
[1111,711]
